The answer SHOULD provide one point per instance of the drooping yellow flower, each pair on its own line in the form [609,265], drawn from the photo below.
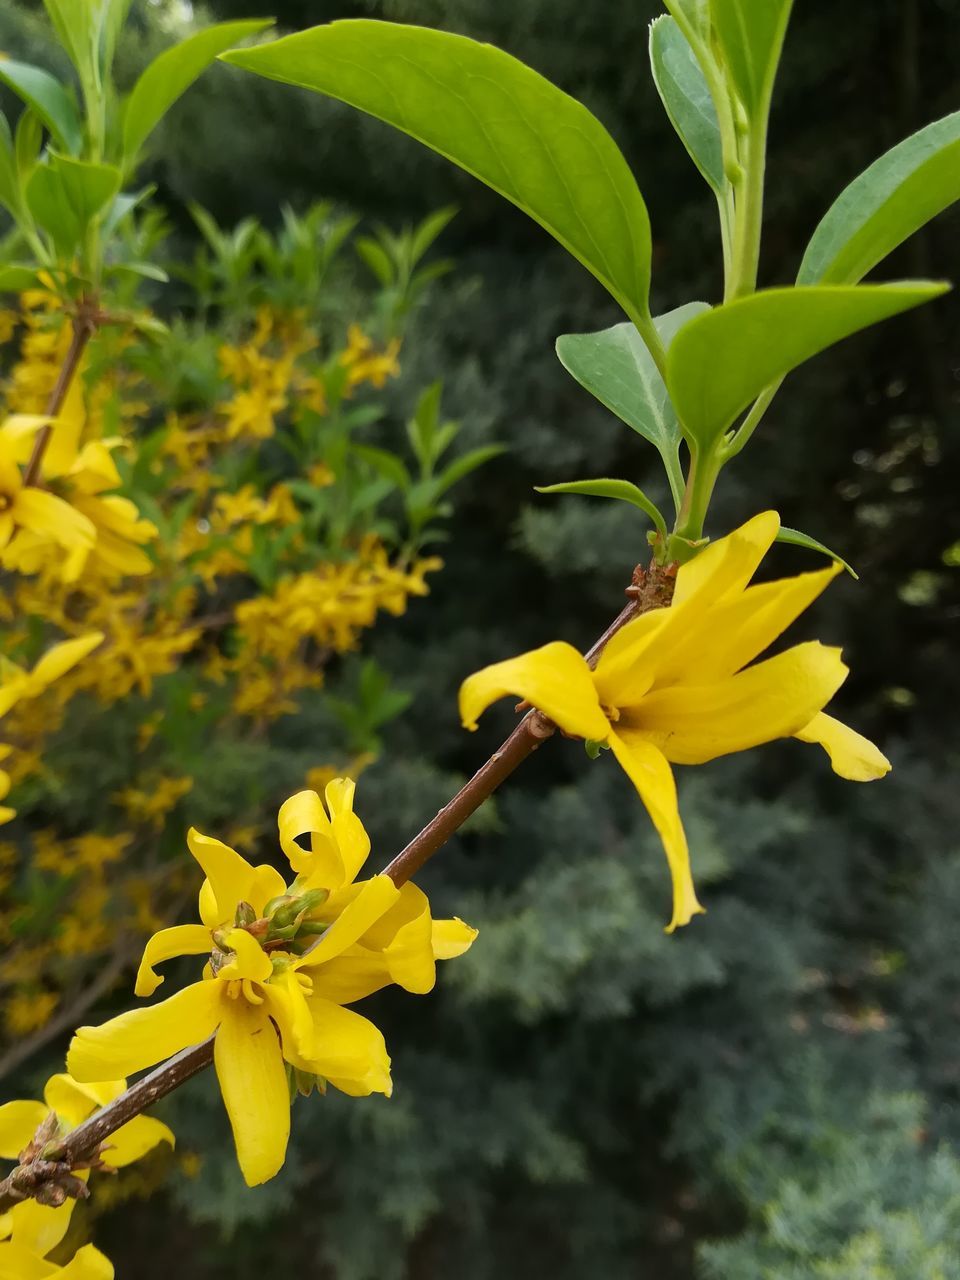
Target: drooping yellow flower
[18,1263]
[30,508]
[282,963]
[674,686]
[16,683]
[66,1103]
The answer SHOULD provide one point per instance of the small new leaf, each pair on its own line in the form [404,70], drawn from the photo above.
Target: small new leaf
[750,34]
[794,538]
[622,490]
[686,98]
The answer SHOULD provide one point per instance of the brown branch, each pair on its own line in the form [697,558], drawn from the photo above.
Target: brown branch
[84,327]
[651,588]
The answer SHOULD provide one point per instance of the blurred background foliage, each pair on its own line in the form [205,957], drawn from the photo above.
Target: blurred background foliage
[775,1091]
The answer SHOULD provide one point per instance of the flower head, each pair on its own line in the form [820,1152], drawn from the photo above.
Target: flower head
[66,1103]
[675,685]
[282,962]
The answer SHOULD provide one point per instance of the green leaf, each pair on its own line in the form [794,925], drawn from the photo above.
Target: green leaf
[47,98]
[797,539]
[15,277]
[387,463]
[620,489]
[461,467]
[750,34]
[686,97]
[496,118]
[905,188]
[428,231]
[376,258]
[694,12]
[65,195]
[721,361]
[615,366]
[172,73]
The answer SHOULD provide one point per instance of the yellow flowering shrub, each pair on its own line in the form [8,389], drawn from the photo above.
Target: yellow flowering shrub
[210,531]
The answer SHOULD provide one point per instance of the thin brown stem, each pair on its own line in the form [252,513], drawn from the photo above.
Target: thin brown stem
[84,327]
[651,589]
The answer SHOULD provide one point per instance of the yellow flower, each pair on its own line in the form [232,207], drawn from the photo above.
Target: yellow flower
[27,1011]
[35,510]
[673,686]
[364,364]
[282,963]
[88,1263]
[67,1103]
[6,814]
[17,684]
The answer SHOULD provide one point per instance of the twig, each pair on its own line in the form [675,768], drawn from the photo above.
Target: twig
[651,588]
[84,327]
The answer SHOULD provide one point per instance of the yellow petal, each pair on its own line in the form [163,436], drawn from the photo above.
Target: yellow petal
[451,938]
[374,898]
[249,959]
[625,670]
[44,513]
[267,883]
[19,1121]
[59,659]
[355,973]
[405,935]
[88,1263]
[134,1139]
[726,566]
[350,1048]
[555,679]
[18,1263]
[73,1101]
[253,1082]
[143,1037]
[648,770]
[41,1227]
[304,814]
[352,841]
[774,699]
[738,630]
[230,876]
[287,1005]
[181,940]
[852,756]
[6,1225]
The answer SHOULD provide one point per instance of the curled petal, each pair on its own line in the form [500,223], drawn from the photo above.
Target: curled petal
[143,1037]
[350,1050]
[88,1263]
[451,938]
[851,754]
[303,814]
[73,1101]
[181,940]
[555,679]
[253,1082]
[249,960]
[648,770]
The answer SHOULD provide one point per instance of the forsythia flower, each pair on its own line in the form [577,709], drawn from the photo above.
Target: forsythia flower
[35,510]
[40,1228]
[282,963]
[88,1263]
[674,687]
[16,683]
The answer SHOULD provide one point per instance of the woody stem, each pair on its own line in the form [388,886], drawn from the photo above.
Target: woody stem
[651,589]
[84,327]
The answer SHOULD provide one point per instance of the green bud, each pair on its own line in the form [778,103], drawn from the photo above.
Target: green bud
[245,915]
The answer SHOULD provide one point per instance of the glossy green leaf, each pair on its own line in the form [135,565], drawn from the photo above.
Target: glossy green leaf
[694,12]
[65,195]
[721,361]
[496,118]
[750,35]
[47,98]
[623,490]
[887,203]
[461,467]
[686,97]
[172,73]
[615,366]
[794,538]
